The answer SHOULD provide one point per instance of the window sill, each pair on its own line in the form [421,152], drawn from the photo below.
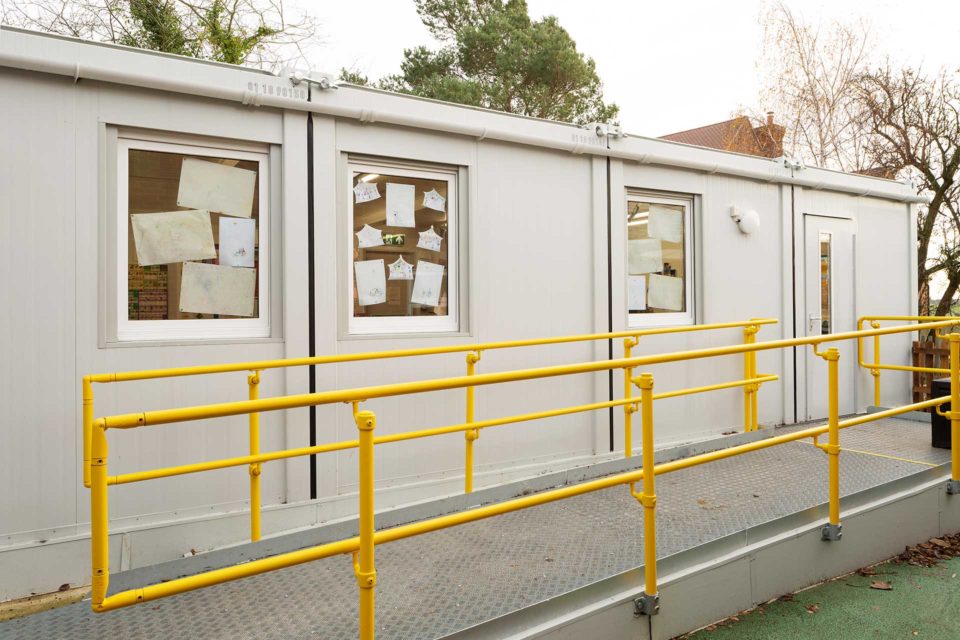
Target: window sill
[188,342]
[659,321]
[344,337]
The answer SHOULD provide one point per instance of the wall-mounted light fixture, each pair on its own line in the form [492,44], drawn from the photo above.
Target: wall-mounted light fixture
[748,220]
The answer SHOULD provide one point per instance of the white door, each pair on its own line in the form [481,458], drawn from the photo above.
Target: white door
[830,308]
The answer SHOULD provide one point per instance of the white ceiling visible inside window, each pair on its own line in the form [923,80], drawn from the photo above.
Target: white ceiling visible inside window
[704,65]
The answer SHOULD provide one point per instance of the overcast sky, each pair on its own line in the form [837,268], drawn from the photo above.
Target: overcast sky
[669,65]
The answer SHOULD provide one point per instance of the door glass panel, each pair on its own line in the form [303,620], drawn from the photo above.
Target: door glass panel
[826,288]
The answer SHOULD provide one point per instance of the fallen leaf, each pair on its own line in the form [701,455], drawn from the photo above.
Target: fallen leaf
[881,585]
[866,571]
[787,597]
[64,587]
[812,608]
[940,543]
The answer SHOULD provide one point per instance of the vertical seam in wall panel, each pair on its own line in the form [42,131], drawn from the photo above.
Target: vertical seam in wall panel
[78,432]
[609,295]
[311,303]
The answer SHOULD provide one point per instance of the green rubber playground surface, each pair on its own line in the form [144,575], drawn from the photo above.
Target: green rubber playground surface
[897,599]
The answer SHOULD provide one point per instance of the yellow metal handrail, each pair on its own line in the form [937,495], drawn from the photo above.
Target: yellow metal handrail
[363,545]
[876,367]
[473,352]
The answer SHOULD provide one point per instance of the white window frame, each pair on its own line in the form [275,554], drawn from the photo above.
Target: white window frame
[407,324]
[677,318]
[215,329]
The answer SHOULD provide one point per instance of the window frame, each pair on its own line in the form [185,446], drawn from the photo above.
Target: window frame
[673,318]
[180,329]
[406,325]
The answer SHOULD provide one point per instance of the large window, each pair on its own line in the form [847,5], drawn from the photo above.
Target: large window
[659,261]
[403,249]
[191,242]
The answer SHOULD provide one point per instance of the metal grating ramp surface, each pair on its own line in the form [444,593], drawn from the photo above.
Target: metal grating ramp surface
[445,581]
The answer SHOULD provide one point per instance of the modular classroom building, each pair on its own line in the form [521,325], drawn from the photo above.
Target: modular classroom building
[157,211]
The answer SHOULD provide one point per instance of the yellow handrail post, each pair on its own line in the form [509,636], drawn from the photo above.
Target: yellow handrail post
[875,370]
[99,514]
[470,435]
[363,565]
[832,530]
[749,372]
[87,427]
[253,382]
[628,409]
[953,487]
[649,602]
[754,397]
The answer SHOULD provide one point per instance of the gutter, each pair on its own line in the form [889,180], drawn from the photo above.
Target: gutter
[84,61]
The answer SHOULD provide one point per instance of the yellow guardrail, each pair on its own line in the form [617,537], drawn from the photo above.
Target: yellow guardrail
[362,547]
[750,385]
[876,366]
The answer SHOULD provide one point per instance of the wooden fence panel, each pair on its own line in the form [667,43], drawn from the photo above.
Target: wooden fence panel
[933,353]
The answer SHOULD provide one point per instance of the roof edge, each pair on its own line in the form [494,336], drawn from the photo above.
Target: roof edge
[120,65]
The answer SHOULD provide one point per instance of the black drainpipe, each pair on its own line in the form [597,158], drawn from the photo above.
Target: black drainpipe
[311,302]
[609,295]
[793,261]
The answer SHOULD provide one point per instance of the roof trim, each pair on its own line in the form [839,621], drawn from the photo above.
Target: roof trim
[162,72]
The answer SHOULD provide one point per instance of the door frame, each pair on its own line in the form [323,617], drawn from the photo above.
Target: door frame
[801,313]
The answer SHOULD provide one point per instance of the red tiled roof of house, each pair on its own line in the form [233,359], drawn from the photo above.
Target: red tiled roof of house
[738,135]
[716,136]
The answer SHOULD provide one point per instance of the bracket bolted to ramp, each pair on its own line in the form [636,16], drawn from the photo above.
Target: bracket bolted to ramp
[646,605]
[831,531]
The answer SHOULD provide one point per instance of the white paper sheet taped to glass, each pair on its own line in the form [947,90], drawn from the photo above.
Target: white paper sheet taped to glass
[665,223]
[636,293]
[433,200]
[366,191]
[371,282]
[400,269]
[430,240]
[214,288]
[400,205]
[237,241]
[167,237]
[216,187]
[665,292]
[644,256]
[369,237]
[427,283]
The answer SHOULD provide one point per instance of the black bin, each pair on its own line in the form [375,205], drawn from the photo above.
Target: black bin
[939,425]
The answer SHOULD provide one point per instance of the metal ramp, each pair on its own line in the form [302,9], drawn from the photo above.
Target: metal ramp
[530,572]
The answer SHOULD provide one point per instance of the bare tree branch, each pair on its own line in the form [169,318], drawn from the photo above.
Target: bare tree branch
[258,33]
